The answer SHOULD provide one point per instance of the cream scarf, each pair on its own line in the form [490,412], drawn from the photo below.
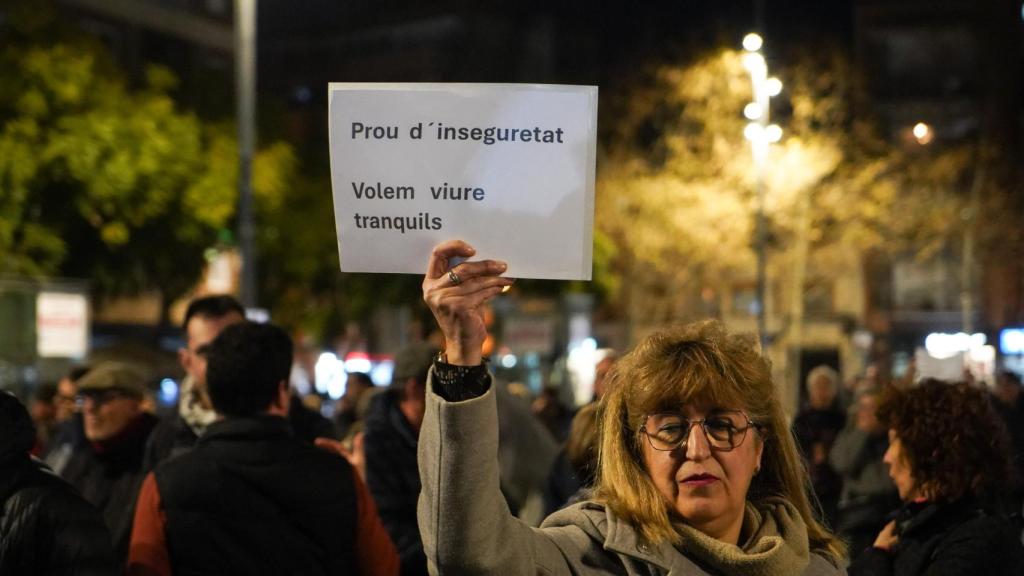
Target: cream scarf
[774,543]
[191,409]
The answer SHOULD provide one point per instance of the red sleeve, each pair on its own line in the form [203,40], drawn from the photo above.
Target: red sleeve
[147,552]
[375,553]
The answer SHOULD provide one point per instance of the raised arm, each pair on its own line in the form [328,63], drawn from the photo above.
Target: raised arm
[464,521]
[456,296]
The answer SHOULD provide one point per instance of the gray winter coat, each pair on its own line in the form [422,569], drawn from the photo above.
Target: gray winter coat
[467,529]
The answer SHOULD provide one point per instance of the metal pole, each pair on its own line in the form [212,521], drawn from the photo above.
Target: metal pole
[245,88]
[762,260]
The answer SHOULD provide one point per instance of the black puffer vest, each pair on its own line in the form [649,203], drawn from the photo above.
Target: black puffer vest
[251,499]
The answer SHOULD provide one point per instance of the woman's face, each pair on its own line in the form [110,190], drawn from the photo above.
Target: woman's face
[707,487]
[899,469]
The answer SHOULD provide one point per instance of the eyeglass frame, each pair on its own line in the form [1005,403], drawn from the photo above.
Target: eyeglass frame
[703,426]
[100,397]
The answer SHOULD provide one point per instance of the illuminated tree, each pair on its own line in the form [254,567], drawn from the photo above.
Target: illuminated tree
[107,182]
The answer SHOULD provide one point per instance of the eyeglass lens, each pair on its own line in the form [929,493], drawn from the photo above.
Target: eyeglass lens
[724,430]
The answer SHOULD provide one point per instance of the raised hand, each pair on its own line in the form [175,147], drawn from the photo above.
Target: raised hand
[456,295]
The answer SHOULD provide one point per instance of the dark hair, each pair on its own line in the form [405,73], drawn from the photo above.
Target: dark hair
[245,364]
[355,378]
[952,438]
[216,306]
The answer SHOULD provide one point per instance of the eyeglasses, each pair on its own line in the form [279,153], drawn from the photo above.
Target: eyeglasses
[99,397]
[724,430]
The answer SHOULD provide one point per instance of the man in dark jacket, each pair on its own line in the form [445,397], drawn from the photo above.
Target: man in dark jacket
[107,468]
[45,528]
[250,498]
[205,318]
[392,432]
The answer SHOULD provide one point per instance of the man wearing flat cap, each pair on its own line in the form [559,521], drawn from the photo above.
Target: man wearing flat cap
[107,468]
[392,432]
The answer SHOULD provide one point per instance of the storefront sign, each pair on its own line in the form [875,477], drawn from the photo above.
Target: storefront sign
[62,325]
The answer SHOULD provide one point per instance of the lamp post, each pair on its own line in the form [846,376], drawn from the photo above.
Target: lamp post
[761,135]
[245,89]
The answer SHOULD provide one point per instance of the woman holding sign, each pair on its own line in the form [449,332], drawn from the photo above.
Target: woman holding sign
[697,472]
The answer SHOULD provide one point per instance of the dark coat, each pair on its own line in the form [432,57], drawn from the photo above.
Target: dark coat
[393,477]
[45,528]
[812,428]
[958,539]
[171,437]
[109,478]
[250,498]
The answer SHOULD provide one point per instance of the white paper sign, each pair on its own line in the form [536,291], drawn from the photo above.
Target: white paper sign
[508,168]
[62,325]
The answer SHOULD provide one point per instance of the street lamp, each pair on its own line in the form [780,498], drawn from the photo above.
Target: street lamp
[245,86]
[761,135]
[922,133]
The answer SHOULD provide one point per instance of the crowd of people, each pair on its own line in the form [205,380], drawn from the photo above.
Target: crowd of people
[684,462]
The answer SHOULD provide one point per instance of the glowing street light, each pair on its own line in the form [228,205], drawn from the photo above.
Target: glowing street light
[761,136]
[752,42]
[923,133]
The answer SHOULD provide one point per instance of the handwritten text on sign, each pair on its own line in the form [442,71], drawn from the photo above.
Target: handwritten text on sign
[508,168]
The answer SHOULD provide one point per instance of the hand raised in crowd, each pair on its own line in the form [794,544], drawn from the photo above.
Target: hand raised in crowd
[355,455]
[887,538]
[456,295]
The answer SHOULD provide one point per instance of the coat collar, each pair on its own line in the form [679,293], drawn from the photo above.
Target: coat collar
[620,537]
[263,426]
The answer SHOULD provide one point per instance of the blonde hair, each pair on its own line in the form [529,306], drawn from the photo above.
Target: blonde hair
[682,365]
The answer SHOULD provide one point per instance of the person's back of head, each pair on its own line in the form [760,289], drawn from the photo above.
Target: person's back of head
[247,366]
[17,434]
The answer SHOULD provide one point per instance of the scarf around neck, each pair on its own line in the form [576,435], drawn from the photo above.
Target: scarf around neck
[191,410]
[773,542]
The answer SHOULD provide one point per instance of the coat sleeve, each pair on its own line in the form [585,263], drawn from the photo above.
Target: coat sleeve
[872,562]
[79,540]
[375,553]
[464,521]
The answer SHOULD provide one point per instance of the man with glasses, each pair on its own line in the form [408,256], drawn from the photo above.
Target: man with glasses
[107,468]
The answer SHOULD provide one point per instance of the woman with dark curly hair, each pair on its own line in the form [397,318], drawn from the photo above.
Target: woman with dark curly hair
[949,458]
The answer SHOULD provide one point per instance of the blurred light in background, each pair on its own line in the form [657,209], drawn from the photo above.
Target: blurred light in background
[773,133]
[1011,341]
[330,375]
[923,133]
[752,111]
[752,42]
[358,362]
[509,361]
[940,345]
[773,86]
[168,394]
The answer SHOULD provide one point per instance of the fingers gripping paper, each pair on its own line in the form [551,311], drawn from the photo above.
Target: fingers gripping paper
[507,168]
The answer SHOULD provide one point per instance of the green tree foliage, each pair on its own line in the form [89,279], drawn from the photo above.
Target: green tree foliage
[106,181]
